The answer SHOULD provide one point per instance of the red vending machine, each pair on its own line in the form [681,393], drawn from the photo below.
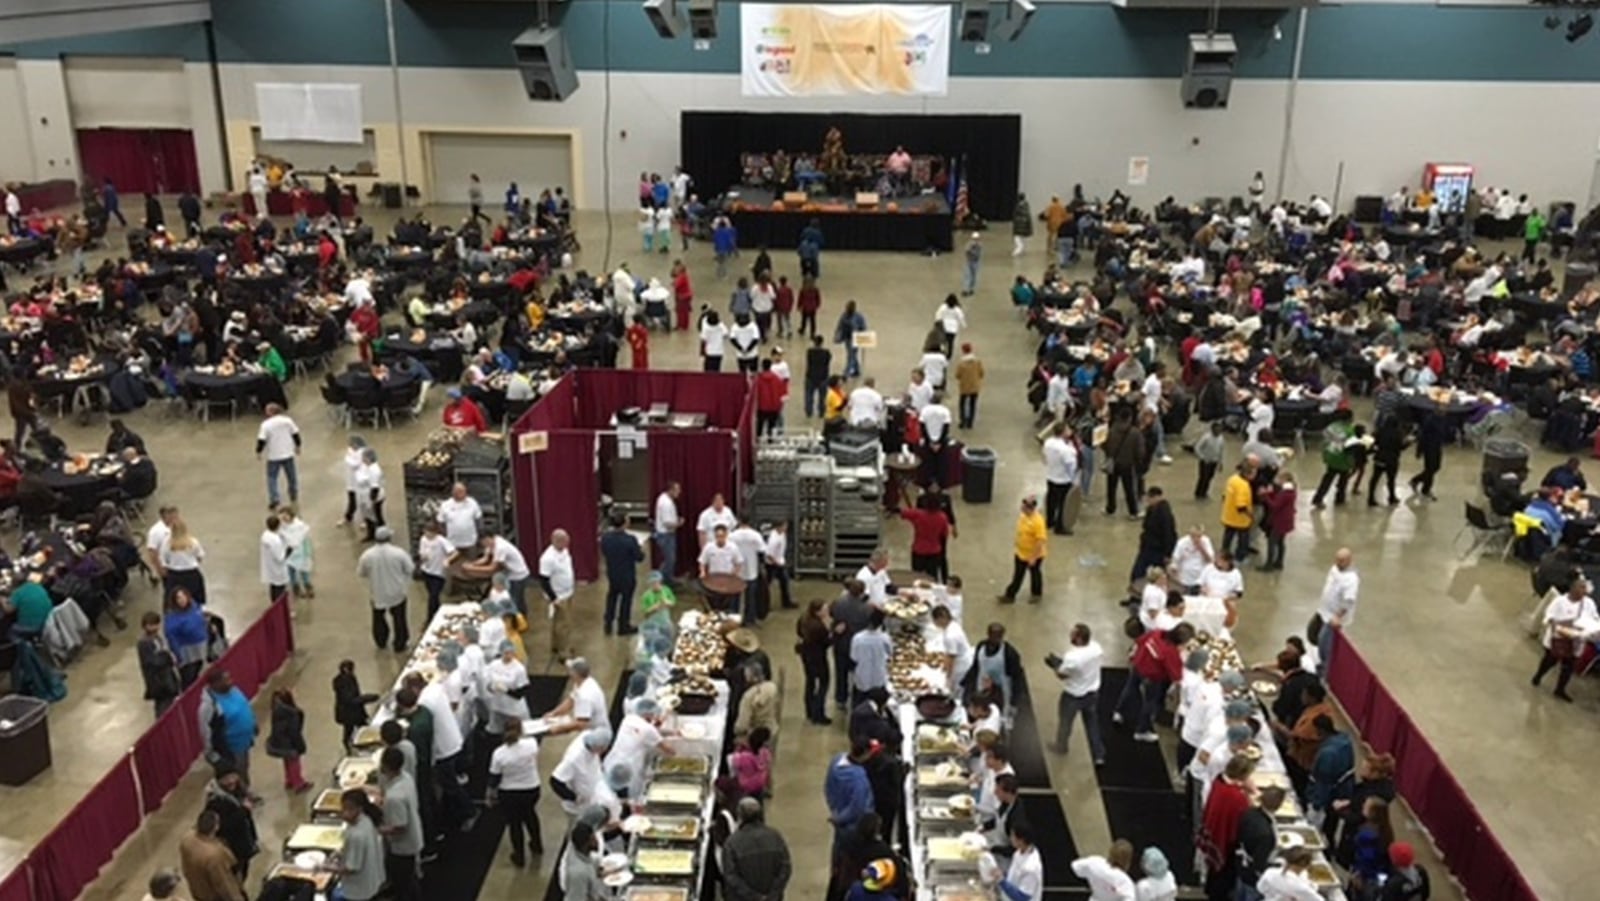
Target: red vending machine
[1449,183]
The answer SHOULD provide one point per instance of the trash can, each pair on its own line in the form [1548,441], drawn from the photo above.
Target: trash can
[24,739]
[977,477]
[392,196]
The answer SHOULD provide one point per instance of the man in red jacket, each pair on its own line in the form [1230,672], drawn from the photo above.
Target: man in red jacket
[771,391]
[1155,665]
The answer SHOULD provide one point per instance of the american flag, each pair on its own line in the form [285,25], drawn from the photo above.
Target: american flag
[962,209]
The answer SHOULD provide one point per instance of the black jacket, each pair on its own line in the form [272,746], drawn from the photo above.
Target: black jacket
[349,704]
[1257,842]
[818,361]
[238,825]
[288,735]
[1159,534]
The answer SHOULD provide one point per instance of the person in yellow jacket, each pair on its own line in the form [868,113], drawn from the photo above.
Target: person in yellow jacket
[1032,544]
[1238,509]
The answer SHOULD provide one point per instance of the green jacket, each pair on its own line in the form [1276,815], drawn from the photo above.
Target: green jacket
[272,361]
[1533,229]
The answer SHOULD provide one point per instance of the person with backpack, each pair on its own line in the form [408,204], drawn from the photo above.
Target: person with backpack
[227,724]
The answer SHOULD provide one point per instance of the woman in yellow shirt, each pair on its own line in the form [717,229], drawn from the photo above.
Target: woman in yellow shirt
[833,407]
[535,312]
[1032,544]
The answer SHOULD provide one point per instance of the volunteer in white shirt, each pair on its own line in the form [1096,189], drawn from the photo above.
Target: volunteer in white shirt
[1024,879]
[514,787]
[1107,876]
[433,556]
[278,441]
[1200,704]
[501,556]
[1190,556]
[1079,669]
[713,341]
[155,538]
[775,560]
[920,392]
[946,637]
[1153,599]
[1221,578]
[1337,608]
[274,560]
[1060,474]
[875,576]
[1290,881]
[751,546]
[638,737]
[1561,616]
[935,418]
[461,516]
[505,678]
[718,514]
[667,522]
[558,581]
[578,777]
[718,557]
[864,406]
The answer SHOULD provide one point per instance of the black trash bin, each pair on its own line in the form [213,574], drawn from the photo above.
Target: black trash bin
[24,739]
[393,198]
[977,475]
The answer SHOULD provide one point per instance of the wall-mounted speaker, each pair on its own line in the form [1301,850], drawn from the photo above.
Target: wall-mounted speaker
[1208,71]
[665,17]
[974,21]
[545,64]
[703,19]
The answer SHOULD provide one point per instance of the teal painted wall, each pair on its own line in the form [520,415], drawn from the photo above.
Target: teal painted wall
[1374,42]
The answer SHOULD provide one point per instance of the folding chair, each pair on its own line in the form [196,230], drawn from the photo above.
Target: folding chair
[1487,534]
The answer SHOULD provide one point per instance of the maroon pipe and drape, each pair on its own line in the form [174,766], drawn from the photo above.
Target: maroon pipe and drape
[70,857]
[140,160]
[602,392]
[567,492]
[85,840]
[703,463]
[1465,841]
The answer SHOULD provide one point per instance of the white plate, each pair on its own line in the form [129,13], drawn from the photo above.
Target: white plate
[618,879]
[1287,840]
[636,824]
[692,730]
[310,860]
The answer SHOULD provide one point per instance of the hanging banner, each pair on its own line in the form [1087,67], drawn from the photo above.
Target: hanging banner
[797,50]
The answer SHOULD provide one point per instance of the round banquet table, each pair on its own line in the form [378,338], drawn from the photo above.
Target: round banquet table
[396,381]
[264,283]
[576,323]
[159,276]
[494,291]
[24,250]
[177,257]
[212,386]
[63,384]
[81,491]
[441,353]
[1419,403]
[1295,407]
[223,234]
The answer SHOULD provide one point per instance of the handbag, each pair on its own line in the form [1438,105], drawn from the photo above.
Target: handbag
[1563,647]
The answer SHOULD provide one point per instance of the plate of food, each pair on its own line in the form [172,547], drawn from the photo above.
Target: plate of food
[1308,837]
[1265,688]
[636,824]
[664,862]
[309,837]
[1287,840]
[673,829]
[694,731]
[962,804]
[310,860]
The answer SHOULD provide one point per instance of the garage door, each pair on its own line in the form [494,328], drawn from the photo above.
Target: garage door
[534,162]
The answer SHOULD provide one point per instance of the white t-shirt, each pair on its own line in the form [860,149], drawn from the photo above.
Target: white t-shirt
[516,764]
[589,702]
[751,546]
[434,551]
[864,406]
[935,420]
[1151,603]
[555,564]
[1026,874]
[502,677]
[277,434]
[952,640]
[1278,884]
[667,520]
[274,558]
[155,538]
[1106,882]
[1339,595]
[1152,393]
[710,518]
[877,584]
[951,319]
[713,336]
[950,602]
[447,740]
[934,365]
[746,341]
[762,297]
[183,560]
[919,394]
[460,520]
[1218,584]
[1190,557]
[1060,461]
[580,771]
[1080,668]
[507,557]
[721,560]
[777,548]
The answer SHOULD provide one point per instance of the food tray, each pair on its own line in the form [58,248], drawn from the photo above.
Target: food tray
[1322,875]
[938,740]
[674,794]
[1310,838]
[355,771]
[683,766]
[311,837]
[663,862]
[1289,810]
[672,829]
[960,893]
[941,777]
[945,849]
[657,893]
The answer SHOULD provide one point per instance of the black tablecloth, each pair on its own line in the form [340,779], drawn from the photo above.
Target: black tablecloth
[24,250]
[846,231]
[241,385]
[395,382]
[444,360]
[79,492]
[57,384]
[268,281]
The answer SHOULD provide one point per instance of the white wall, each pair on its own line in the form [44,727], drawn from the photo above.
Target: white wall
[16,154]
[207,126]
[127,92]
[1074,130]
[49,129]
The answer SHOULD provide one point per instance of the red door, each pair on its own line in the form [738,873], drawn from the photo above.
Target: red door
[140,160]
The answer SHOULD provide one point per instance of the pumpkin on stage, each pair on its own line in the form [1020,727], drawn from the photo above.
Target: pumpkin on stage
[893,207]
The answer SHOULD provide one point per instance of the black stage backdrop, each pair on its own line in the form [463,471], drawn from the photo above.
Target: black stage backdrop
[711,145]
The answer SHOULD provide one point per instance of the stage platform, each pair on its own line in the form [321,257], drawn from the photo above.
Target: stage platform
[916,223]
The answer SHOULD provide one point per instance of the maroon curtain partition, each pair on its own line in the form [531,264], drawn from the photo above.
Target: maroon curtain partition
[703,462]
[140,160]
[70,857]
[1465,841]
[18,885]
[567,492]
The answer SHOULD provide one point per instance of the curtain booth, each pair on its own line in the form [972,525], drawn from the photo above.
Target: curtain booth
[582,456]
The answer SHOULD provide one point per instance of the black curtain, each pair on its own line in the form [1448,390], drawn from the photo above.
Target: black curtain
[712,143]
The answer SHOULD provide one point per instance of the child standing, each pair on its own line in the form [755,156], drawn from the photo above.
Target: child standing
[287,740]
[296,533]
[349,704]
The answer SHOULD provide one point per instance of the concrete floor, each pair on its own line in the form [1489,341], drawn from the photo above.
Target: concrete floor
[1442,633]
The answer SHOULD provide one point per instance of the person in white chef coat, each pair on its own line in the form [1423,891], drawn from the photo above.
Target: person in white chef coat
[718,514]
[506,679]
[578,778]
[586,704]
[1107,876]
[1024,876]
[638,737]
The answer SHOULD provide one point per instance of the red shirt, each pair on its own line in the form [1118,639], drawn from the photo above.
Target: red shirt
[365,319]
[326,251]
[639,340]
[1280,511]
[771,389]
[929,529]
[783,302]
[523,279]
[464,414]
[1157,659]
[1219,825]
[810,300]
[681,289]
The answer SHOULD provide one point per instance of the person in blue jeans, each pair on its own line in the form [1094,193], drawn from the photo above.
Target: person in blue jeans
[227,724]
[969,276]
[844,333]
[1079,669]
